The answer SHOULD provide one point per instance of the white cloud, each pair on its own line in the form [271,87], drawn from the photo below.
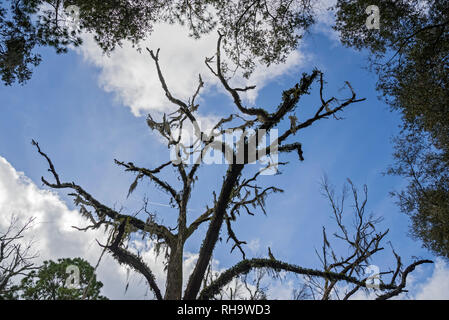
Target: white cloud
[21,197]
[325,19]
[254,245]
[436,286]
[52,230]
[132,76]
[281,290]
[54,237]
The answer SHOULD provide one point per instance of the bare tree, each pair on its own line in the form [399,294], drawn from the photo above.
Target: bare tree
[15,257]
[238,192]
[361,241]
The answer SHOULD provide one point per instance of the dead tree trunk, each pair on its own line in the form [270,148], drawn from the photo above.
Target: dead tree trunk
[173,289]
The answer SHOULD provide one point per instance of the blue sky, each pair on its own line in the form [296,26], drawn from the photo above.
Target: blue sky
[84,124]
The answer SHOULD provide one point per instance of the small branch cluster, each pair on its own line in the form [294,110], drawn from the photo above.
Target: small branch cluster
[15,257]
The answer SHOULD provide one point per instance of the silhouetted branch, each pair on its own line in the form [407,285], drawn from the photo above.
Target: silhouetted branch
[245,266]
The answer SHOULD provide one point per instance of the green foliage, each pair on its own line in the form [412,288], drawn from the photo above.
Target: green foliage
[264,30]
[410,54]
[49,282]
[24,26]
[426,198]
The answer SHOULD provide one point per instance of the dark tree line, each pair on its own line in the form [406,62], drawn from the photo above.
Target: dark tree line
[265,31]
[410,54]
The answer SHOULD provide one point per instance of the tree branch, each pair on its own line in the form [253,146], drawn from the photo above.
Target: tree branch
[245,266]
